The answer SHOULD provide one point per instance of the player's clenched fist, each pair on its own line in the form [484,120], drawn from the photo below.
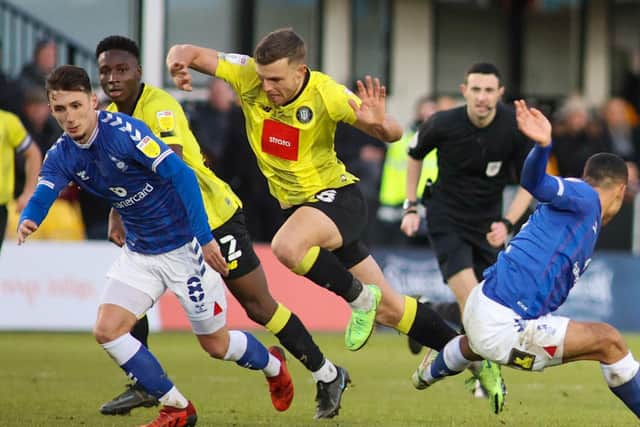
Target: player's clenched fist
[177,66]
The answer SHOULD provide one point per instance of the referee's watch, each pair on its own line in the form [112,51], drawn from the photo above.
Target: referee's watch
[507,223]
[408,204]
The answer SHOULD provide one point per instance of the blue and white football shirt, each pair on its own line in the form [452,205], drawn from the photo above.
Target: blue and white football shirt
[535,273]
[156,194]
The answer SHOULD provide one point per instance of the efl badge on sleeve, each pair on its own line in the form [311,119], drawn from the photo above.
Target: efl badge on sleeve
[149,147]
[235,58]
[166,120]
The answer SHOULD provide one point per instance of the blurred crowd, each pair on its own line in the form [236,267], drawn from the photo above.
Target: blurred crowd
[580,130]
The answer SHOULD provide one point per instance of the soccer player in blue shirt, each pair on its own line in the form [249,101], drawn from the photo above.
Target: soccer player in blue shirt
[508,317]
[118,158]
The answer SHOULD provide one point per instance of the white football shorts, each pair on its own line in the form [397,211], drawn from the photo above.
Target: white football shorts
[499,334]
[199,288]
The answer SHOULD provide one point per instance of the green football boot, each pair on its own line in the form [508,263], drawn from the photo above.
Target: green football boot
[362,322]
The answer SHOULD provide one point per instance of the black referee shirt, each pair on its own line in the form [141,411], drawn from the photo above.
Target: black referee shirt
[474,165]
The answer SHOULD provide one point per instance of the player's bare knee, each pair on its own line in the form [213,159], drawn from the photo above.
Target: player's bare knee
[104,334]
[216,345]
[611,343]
[286,252]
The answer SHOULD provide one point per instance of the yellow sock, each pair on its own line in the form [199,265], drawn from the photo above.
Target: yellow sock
[278,320]
[307,261]
[408,316]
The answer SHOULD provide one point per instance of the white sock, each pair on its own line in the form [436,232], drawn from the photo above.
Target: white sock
[122,348]
[237,345]
[273,367]
[327,372]
[174,398]
[453,357]
[621,371]
[364,301]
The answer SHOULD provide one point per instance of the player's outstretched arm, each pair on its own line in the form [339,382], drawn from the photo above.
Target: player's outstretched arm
[371,116]
[36,210]
[533,123]
[32,162]
[181,57]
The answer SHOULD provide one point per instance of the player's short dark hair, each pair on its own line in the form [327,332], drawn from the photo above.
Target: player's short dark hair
[68,78]
[484,68]
[118,43]
[278,44]
[604,170]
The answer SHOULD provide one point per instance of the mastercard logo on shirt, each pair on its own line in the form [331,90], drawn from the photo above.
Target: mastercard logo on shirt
[280,140]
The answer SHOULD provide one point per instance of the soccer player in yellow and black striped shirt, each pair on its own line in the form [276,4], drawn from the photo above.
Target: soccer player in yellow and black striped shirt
[121,79]
[291,114]
[15,139]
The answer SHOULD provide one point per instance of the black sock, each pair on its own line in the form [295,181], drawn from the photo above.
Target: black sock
[328,272]
[449,311]
[295,338]
[429,329]
[140,330]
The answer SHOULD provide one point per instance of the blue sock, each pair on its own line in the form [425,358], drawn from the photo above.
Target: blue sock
[255,356]
[144,368]
[629,393]
[439,368]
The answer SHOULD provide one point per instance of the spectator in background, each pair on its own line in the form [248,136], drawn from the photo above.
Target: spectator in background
[38,120]
[633,183]
[394,173]
[210,121]
[631,85]
[44,61]
[576,138]
[39,124]
[621,136]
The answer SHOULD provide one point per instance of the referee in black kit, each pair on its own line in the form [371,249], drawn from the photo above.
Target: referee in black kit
[480,151]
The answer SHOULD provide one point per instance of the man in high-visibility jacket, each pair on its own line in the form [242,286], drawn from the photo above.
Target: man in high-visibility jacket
[394,171]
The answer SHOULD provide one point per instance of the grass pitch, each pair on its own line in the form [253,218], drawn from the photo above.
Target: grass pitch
[59,379]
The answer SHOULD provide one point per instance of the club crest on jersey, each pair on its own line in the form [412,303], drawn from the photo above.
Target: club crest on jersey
[82,175]
[493,168]
[166,120]
[304,114]
[149,147]
[119,163]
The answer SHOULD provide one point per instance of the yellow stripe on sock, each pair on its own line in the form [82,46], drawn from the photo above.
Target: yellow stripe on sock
[409,315]
[278,320]
[307,262]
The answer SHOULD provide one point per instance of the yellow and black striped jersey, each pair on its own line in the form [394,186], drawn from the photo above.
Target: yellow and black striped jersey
[13,138]
[294,143]
[167,120]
